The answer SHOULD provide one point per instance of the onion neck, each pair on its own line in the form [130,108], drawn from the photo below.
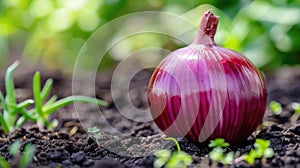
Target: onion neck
[207,30]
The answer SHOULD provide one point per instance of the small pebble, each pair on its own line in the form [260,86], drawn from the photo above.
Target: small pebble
[67,162]
[78,157]
[288,160]
[88,163]
[276,127]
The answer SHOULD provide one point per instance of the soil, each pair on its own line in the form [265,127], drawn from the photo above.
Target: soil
[70,146]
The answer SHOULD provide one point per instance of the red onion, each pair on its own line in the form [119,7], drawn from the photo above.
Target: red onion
[204,91]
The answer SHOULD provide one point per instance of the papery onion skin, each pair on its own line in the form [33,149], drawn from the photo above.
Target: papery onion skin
[205,92]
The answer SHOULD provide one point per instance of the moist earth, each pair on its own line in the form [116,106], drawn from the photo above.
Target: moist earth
[70,146]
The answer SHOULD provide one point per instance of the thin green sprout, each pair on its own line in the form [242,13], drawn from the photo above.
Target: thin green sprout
[176,142]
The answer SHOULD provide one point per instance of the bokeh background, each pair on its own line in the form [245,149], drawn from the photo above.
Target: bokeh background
[52,32]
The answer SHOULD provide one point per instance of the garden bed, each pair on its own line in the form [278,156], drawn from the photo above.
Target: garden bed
[70,146]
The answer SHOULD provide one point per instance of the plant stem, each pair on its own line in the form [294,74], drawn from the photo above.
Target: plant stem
[207,30]
[38,99]
[176,142]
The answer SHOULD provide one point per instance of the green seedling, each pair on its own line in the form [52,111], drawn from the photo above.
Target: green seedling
[14,150]
[275,107]
[261,151]
[10,107]
[179,159]
[220,154]
[296,107]
[295,116]
[4,163]
[43,107]
[218,142]
[95,133]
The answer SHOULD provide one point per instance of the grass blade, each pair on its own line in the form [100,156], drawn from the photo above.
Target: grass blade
[31,115]
[47,89]
[27,155]
[3,123]
[25,103]
[37,94]
[51,100]
[2,120]
[9,83]
[20,122]
[27,115]
[71,99]
[4,163]
[5,108]
[14,110]
[14,148]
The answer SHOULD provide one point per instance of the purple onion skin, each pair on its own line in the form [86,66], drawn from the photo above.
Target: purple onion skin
[204,91]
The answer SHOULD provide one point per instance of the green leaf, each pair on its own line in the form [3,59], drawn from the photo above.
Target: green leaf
[296,107]
[4,104]
[20,121]
[162,157]
[229,157]
[259,152]
[9,83]
[93,130]
[27,155]
[174,162]
[180,160]
[217,154]
[25,103]
[250,158]
[163,154]
[37,95]
[269,152]
[3,123]
[71,99]
[98,135]
[262,144]
[14,149]
[51,101]
[218,142]
[168,160]
[275,107]
[47,89]
[185,158]
[158,163]
[5,109]
[13,109]
[42,118]
[27,115]
[4,163]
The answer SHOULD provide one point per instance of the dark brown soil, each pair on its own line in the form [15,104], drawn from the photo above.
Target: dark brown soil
[69,145]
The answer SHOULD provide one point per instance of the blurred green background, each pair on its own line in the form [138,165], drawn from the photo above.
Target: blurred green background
[52,32]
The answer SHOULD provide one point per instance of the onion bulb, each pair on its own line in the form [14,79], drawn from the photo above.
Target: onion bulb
[204,91]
